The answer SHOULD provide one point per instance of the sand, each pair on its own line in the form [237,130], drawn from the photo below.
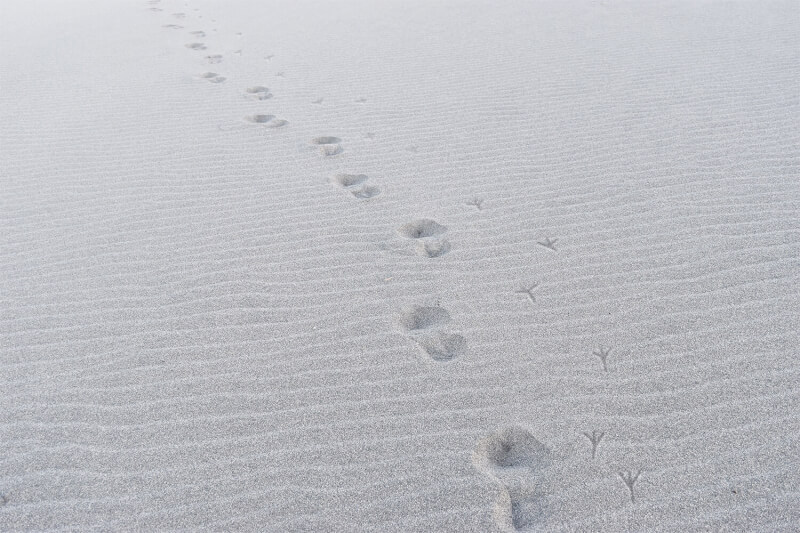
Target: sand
[340,266]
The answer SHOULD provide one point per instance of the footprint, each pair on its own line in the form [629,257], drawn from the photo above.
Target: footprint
[520,509]
[329,146]
[259,93]
[417,317]
[326,140]
[512,453]
[179,15]
[216,58]
[356,184]
[199,34]
[423,324]
[423,231]
[433,248]
[212,77]
[516,460]
[350,180]
[259,119]
[268,120]
[421,228]
[443,346]
[173,26]
[195,46]
[367,191]
[318,101]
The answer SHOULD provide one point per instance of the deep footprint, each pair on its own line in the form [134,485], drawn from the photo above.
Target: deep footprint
[510,452]
[213,77]
[260,119]
[323,141]
[259,93]
[520,509]
[329,146]
[433,248]
[367,191]
[443,346]
[517,460]
[195,46]
[356,184]
[269,121]
[350,180]
[421,228]
[417,317]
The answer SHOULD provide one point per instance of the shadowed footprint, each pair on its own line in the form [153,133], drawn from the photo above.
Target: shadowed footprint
[173,26]
[258,92]
[509,453]
[323,141]
[367,191]
[443,346]
[417,317]
[433,248]
[520,509]
[423,231]
[199,34]
[517,460]
[350,180]
[421,228]
[259,119]
[423,324]
[329,146]
[356,184]
[195,46]
[213,77]
[269,121]
[216,58]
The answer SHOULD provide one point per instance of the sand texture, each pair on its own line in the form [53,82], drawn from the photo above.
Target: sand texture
[383,266]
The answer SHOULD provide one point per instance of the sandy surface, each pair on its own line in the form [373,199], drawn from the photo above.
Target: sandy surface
[466,266]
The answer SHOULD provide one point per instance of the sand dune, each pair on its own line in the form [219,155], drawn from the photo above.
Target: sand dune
[400,266]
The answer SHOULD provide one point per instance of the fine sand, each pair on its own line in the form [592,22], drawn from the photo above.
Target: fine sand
[423,266]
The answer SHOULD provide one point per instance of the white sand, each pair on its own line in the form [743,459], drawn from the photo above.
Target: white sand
[212,322]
